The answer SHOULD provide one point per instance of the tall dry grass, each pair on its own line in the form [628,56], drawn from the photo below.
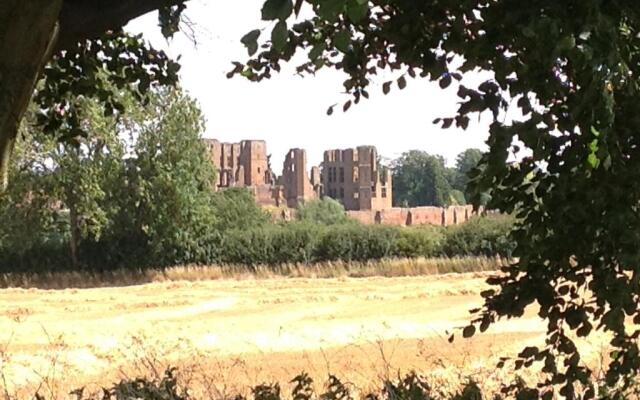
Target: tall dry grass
[329,269]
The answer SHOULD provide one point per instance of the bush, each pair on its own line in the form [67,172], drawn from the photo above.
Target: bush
[356,243]
[271,245]
[480,236]
[326,211]
[236,208]
[411,386]
[424,241]
[298,242]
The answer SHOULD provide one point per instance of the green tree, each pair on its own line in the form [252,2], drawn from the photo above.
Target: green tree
[170,180]
[236,208]
[85,52]
[64,184]
[324,211]
[570,68]
[29,213]
[420,179]
[85,174]
[457,198]
[466,162]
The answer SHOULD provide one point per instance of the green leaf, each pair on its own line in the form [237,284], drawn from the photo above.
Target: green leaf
[330,110]
[331,9]
[277,9]
[317,51]
[279,35]
[445,81]
[386,87]
[342,41]
[250,41]
[402,82]
[356,10]
[593,161]
[468,331]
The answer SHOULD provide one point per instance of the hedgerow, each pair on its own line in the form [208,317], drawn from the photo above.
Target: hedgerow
[297,242]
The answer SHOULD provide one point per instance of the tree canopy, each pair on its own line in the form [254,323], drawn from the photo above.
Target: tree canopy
[420,179]
[571,69]
[81,50]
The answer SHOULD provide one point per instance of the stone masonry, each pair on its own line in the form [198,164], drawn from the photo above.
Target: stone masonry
[354,177]
[440,216]
[295,181]
[240,164]
[246,164]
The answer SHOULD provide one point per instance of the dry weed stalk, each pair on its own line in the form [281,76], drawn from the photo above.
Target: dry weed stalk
[194,273]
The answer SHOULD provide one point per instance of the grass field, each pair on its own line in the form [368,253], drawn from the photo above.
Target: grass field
[228,334]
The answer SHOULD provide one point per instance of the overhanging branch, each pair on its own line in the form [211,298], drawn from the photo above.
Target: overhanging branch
[88,19]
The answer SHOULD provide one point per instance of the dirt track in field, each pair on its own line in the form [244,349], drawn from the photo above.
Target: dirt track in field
[245,332]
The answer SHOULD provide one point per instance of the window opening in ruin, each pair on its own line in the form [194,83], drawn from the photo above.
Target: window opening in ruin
[341,174]
[355,174]
[342,193]
[384,192]
[356,195]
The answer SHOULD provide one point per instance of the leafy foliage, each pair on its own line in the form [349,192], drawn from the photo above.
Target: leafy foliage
[149,204]
[480,236]
[411,386]
[170,179]
[466,162]
[420,179]
[236,208]
[325,211]
[98,69]
[301,242]
[571,70]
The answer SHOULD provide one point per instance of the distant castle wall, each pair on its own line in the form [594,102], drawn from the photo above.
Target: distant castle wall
[438,216]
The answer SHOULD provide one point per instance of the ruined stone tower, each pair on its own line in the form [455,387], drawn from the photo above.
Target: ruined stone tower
[354,177]
[240,164]
[295,180]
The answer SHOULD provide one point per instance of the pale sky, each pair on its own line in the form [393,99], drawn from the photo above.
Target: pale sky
[289,111]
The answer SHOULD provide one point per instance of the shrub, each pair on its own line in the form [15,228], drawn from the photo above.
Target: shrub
[326,211]
[356,243]
[424,241]
[412,386]
[486,236]
[236,208]
[299,242]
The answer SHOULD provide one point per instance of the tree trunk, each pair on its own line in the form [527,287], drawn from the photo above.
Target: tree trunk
[28,31]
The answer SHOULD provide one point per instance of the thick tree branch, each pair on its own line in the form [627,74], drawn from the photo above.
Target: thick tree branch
[28,30]
[88,19]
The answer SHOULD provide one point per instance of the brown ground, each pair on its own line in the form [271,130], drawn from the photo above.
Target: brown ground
[227,333]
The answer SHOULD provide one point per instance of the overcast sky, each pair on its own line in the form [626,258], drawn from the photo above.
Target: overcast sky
[290,111]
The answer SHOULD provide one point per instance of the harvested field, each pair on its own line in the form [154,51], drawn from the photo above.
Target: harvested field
[226,334]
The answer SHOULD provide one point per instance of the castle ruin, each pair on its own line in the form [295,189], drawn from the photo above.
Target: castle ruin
[354,177]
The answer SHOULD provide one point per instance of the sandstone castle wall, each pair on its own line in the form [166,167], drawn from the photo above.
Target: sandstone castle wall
[438,216]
